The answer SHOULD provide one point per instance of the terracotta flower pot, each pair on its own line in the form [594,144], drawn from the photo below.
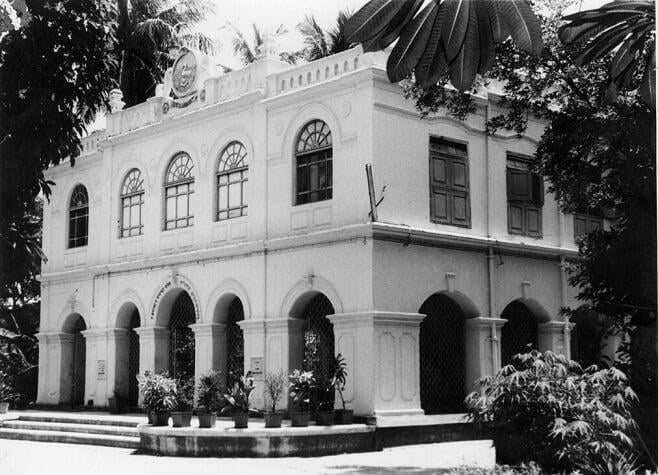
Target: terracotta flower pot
[207,420]
[240,420]
[161,418]
[343,416]
[324,418]
[273,419]
[181,418]
[299,419]
[4,407]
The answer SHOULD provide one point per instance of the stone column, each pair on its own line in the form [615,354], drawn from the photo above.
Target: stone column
[55,368]
[554,336]
[96,366]
[381,350]
[118,352]
[482,349]
[153,348]
[284,346]
[210,348]
[253,333]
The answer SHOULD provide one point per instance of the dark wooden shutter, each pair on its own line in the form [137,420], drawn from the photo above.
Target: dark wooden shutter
[537,189]
[519,186]
[449,200]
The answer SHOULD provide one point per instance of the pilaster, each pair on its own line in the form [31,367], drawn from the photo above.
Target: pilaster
[555,336]
[253,332]
[210,348]
[153,348]
[382,356]
[55,352]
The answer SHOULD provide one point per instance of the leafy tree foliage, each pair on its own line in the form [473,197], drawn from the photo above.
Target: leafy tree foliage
[249,51]
[451,36]
[623,28]
[146,29]
[546,408]
[319,43]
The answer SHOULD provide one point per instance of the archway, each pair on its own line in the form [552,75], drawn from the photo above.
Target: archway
[442,355]
[313,348]
[181,337]
[520,332]
[127,355]
[234,339]
[75,359]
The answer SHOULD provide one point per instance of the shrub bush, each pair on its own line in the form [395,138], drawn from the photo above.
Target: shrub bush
[546,408]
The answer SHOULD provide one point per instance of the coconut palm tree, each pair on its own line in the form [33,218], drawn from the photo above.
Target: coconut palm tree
[249,51]
[626,28]
[146,29]
[454,36]
[318,43]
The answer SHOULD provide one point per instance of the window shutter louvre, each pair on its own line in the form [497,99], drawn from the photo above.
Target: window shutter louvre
[519,186]
[537,189]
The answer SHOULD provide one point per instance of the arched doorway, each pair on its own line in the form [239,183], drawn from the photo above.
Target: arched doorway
[318,337]
[234,339]
[76,358]
[181,337]
[133,359]
[442,356]
[520,332]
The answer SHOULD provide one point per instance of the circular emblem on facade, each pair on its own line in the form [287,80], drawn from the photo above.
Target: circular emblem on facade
[165,107]
[184,73]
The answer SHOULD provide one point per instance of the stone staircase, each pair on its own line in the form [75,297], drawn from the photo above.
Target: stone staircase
[73,428]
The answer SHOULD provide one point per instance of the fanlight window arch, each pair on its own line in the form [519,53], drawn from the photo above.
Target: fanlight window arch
[232,176]
[179,188]
[78,217]
[314,157]
[132,200]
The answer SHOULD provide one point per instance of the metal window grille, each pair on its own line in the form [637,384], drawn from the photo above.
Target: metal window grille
[318,340]
[235,339]
[442,356]
[519,334]
[133,360]
[78,362]
[181,338]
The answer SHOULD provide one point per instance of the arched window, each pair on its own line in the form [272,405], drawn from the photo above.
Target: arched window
[314,163]
[78,217]
[132,199]
[232,182]
[179,187]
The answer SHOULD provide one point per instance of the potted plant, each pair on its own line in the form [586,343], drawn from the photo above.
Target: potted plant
[182,416]
[300,387]
[7,393]
[209,395]
[237,400]
[344,415]
[323,392]
[158,396]
[275,384]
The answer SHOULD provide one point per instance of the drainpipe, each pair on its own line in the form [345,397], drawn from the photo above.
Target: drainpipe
[492,309]
[563,290]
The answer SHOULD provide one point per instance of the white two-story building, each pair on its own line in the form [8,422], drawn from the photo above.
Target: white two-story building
[226,225]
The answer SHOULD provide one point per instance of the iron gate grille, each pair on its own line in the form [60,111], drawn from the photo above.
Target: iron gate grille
[442,356]
[234,339]
[133,360]
[181,338]
[319,341]
[78,363]
[519,334]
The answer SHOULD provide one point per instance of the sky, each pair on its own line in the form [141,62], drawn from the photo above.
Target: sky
[269,14]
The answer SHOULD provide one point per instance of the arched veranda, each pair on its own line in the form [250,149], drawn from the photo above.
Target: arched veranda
[74,360]
[127,355]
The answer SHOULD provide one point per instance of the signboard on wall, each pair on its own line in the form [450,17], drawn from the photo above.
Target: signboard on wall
[257,365]
[100,370]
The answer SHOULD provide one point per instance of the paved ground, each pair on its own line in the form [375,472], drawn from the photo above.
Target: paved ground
[28,458]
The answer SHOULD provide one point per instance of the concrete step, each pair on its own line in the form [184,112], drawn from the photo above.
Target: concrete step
[72,427]
[69,437]
[99,420]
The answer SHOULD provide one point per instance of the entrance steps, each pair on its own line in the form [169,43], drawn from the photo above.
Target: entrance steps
[83,428]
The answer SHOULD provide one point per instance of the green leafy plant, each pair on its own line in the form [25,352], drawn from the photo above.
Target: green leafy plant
[7,393]
[300,388]
[237,398]
[275,384]
[159,391]
[546,408]
[209,391]
[323,392]
[184,394]
[340,376]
